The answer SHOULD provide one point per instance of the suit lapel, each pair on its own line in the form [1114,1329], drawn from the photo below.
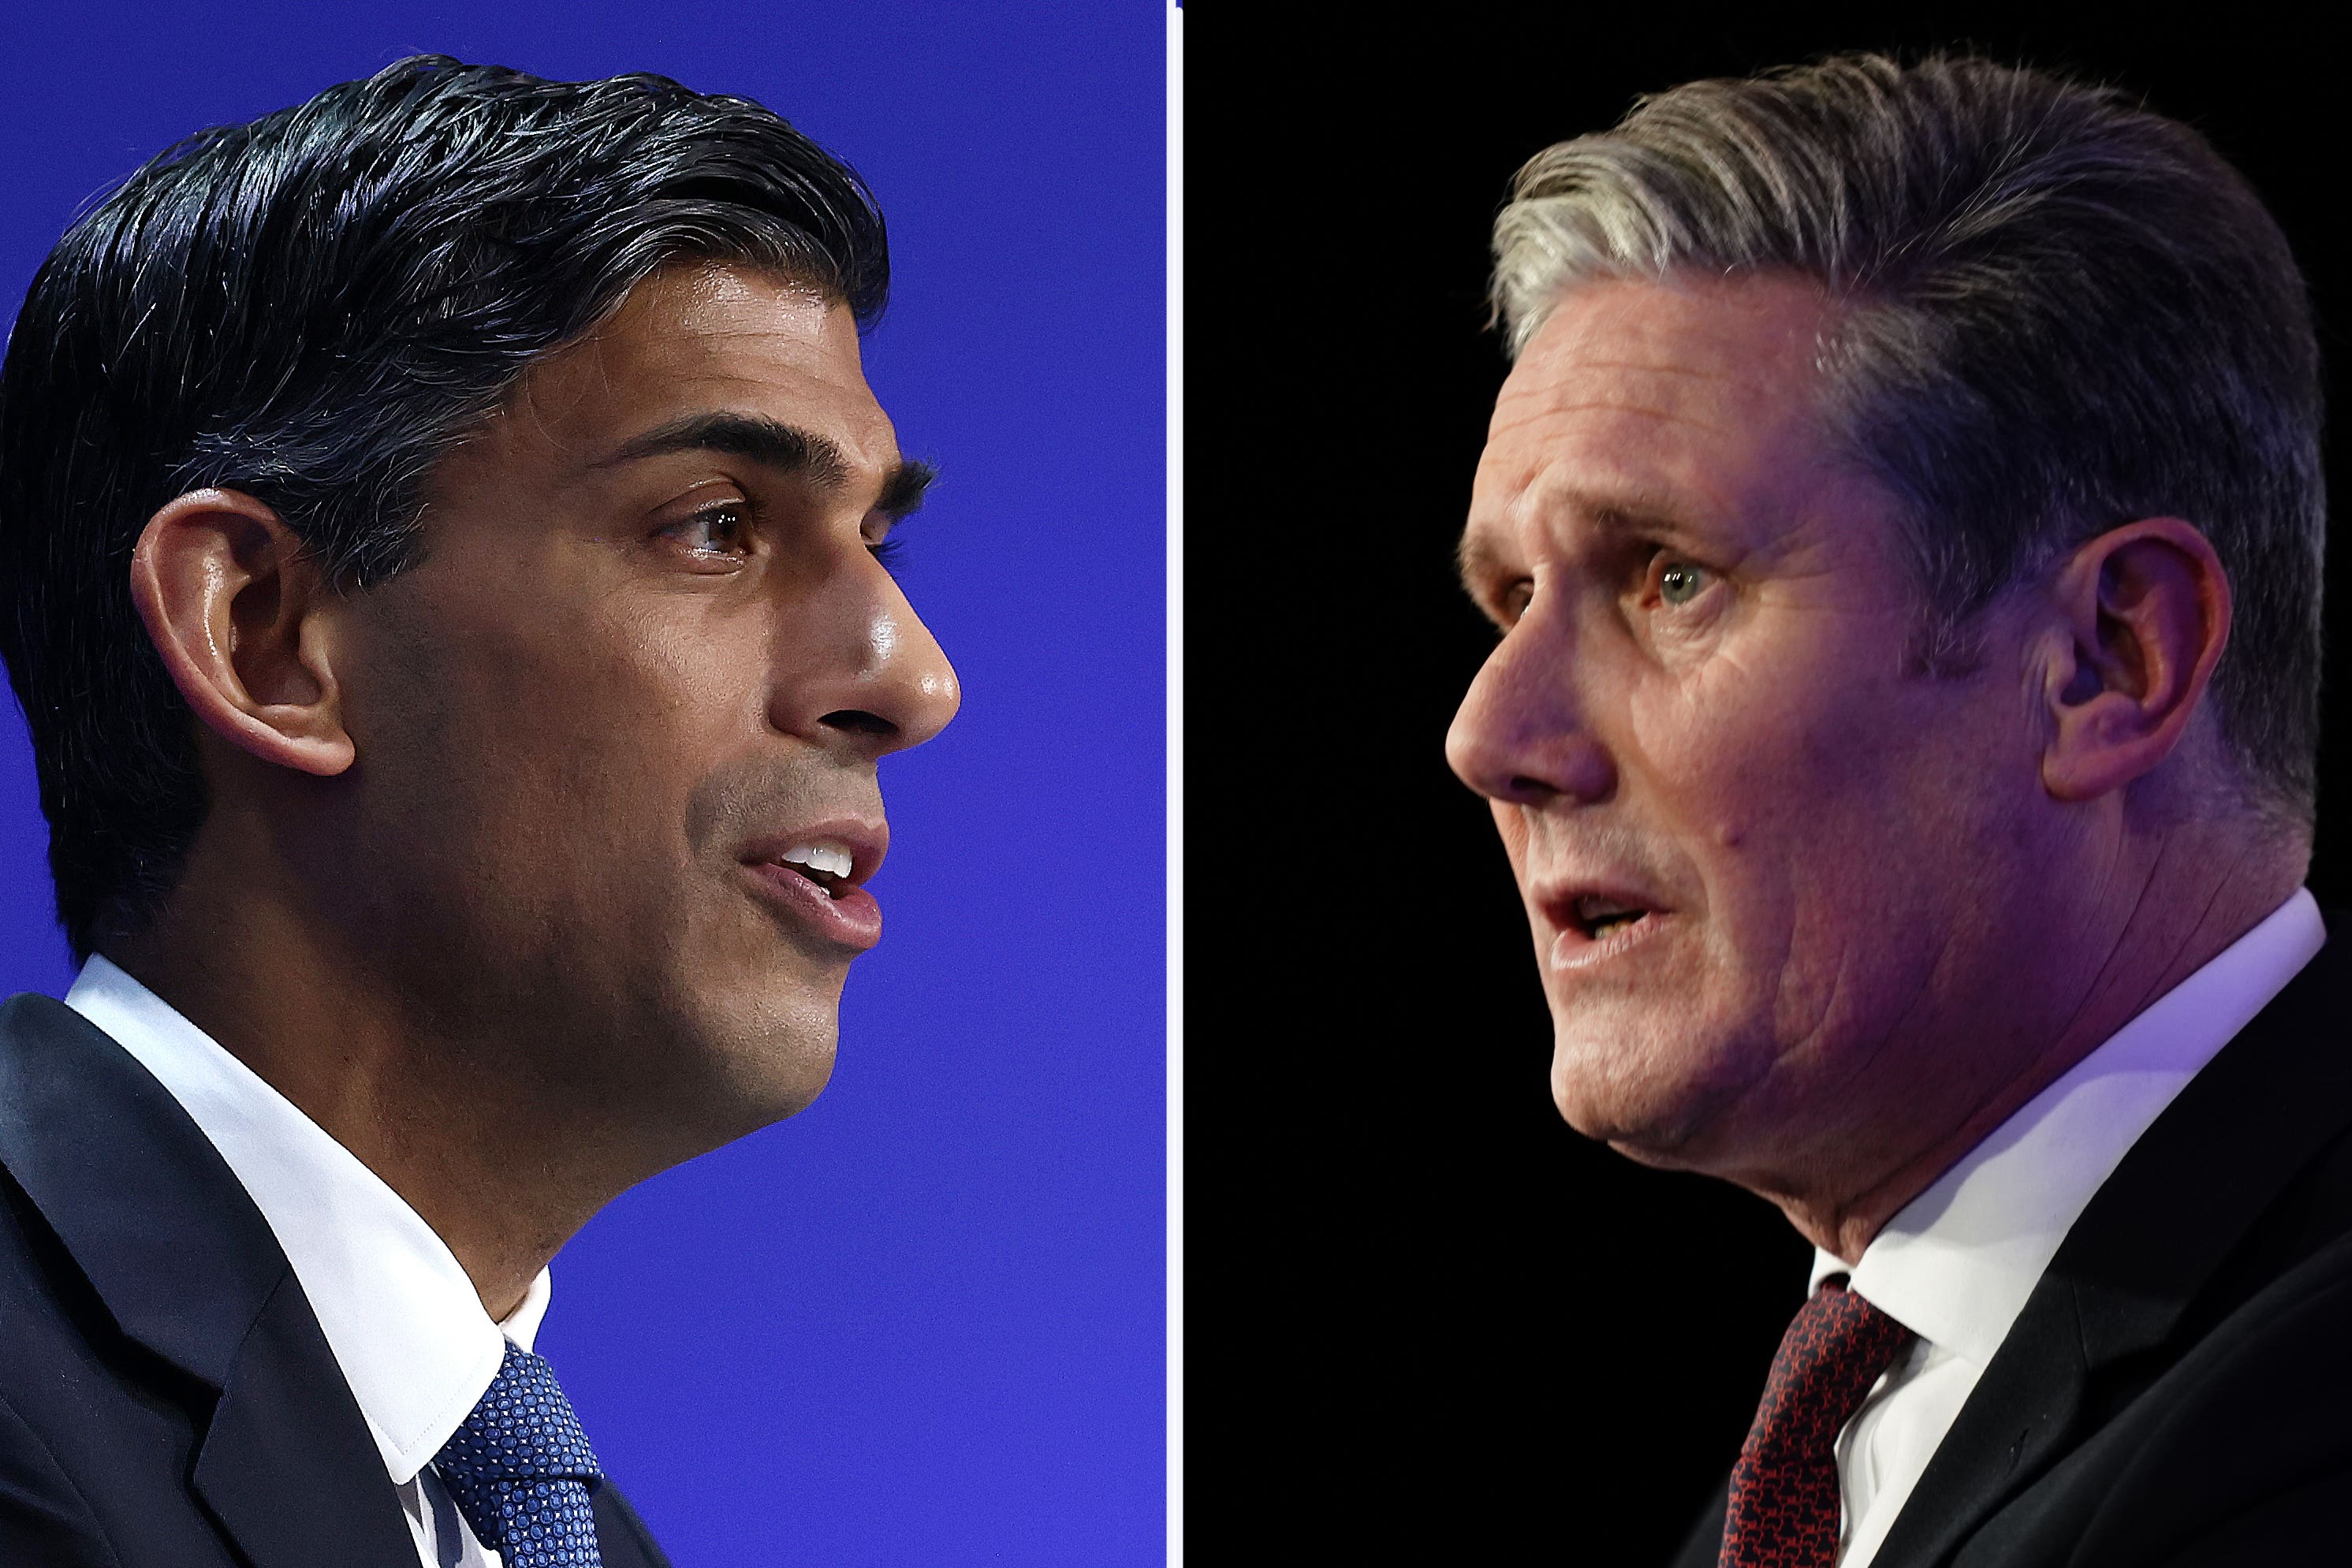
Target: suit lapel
[2013,1425]
[287,1464]
[2187,1191]
[188,1268]
[622,1539]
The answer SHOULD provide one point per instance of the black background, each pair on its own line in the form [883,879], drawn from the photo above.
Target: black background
[1423,1318]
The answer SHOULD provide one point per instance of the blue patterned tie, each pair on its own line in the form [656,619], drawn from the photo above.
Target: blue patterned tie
[520,1468]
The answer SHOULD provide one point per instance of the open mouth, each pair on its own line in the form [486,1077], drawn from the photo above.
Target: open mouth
[816,878]
[827,866]
[1599,917]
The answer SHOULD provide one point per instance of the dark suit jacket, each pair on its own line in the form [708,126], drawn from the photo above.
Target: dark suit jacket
[166,1398]
[2177,1389]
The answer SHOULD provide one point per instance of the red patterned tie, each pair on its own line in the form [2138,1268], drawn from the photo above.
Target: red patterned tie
[1784,1490]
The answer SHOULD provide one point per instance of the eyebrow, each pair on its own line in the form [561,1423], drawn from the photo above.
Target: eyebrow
[786,448]
[1475,562]
[1618,517]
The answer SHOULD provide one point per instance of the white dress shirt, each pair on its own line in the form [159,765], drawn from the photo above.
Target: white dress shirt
[1956,1266]
[394,1305]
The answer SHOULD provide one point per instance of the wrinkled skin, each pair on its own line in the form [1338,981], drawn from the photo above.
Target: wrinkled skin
[1878,925]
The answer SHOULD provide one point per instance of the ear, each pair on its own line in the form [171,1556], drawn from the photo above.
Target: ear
[233,603]
[2145,609]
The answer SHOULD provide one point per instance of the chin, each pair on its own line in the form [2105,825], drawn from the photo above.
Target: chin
[1656,1102]
[765,1057]
[778,1079]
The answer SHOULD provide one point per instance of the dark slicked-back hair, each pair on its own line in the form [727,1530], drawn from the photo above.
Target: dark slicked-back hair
[312,308]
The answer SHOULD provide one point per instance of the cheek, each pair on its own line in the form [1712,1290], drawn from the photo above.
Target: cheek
[1711,752]
[569,743]
[637,686]
[692,677]
[1785,795]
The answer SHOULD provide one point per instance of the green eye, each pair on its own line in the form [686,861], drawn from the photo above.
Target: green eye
[1680,583]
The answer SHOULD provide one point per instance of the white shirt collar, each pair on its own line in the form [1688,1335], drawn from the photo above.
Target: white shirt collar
[395,1306]
[1956,1264]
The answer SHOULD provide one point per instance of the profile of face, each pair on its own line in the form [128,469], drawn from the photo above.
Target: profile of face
[614,791]
[1771,866]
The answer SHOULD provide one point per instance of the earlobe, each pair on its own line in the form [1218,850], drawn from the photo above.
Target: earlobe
[2146,611]
[233,605]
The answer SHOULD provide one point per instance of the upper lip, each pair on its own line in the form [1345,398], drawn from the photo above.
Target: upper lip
[867,839]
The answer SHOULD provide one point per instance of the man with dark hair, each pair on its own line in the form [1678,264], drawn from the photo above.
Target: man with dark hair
[1903,522]
[442,535]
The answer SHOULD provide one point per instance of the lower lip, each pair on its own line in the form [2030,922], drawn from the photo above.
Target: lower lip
[853,920]
[1573,950]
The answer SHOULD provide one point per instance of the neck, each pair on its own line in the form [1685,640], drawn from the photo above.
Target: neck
[2201,888]
[427,1113]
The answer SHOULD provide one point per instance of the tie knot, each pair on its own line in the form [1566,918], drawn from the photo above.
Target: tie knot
[522,1428]
[519,1467]
[1834,1350]
[1783,1508]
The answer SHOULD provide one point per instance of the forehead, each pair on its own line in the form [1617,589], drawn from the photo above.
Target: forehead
[1690,398]
[697,338]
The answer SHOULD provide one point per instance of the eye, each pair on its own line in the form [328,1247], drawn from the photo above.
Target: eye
[1679,582]
[1501,601]
[1513,602]
[719,530]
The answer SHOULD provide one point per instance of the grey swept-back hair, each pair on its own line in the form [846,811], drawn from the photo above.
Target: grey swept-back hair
[2061,312]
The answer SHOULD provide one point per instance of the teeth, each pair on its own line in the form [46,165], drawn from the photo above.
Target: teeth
[830,859]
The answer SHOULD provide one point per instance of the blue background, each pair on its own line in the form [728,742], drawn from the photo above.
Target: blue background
[922,1322]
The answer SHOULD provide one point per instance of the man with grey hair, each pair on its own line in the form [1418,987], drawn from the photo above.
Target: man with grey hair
[1904,523]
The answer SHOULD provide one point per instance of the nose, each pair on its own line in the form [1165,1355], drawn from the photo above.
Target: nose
[1519,737]
[870,675]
